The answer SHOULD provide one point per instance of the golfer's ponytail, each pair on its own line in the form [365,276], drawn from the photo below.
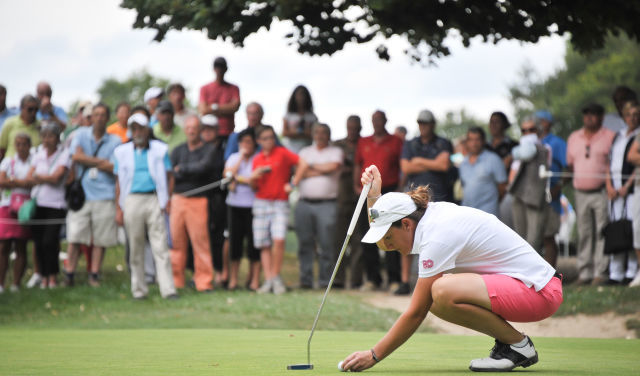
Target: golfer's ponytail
[420,196]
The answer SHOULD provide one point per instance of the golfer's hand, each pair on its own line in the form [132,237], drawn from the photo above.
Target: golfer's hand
[358,361]
[372,175]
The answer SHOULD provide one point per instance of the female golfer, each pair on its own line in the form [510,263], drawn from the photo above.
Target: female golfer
[498,276]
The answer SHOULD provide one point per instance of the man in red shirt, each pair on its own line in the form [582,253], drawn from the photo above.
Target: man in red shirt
[270,179]
[221,99]
[383,150]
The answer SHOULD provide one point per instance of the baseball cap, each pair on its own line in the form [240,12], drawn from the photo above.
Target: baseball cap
[593,108]
[544,115]
[209,120]
[220,62]
[426,116]
[153,92]
[165,106]
[87,109]
[389,208]
[139,119]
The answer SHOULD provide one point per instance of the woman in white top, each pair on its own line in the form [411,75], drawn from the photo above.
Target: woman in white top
[297,122]
[498,275]
[13,173]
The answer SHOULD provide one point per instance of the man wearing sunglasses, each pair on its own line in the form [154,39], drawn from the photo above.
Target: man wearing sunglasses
[526,186]
[25,122]
[588,157]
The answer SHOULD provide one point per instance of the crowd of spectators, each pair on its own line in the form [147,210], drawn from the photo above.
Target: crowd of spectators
[148,175]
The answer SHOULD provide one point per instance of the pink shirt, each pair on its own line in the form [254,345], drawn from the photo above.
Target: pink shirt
[221,94]
[48,195]
[589,156]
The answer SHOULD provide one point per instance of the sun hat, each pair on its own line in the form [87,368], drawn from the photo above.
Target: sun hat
[544,115]
[209,120]
[153,92]
[389,208]
[139,119]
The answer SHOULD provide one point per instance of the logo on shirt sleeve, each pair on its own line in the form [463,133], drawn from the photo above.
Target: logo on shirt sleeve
[427,264]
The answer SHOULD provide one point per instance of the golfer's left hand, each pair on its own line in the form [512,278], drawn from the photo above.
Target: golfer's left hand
[358,361]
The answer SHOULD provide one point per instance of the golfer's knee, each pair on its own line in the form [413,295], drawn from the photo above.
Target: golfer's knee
[441,293]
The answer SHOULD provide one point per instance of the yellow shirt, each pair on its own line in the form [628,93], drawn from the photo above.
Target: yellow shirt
[11,128]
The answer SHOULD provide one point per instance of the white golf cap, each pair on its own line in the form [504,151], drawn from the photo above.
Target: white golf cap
[152,92]
[209,120]
[389,208]
[139,119]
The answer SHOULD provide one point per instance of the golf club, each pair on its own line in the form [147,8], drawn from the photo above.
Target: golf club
[352,225]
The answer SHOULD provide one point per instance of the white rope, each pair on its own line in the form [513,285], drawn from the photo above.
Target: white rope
[544,173]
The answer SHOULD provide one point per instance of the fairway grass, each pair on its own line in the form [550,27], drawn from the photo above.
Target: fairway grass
[268,352]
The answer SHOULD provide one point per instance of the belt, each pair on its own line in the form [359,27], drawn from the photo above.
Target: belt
[144,193]
[595,190]
[318,200]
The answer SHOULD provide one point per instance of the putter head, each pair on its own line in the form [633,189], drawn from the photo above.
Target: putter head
[298,367]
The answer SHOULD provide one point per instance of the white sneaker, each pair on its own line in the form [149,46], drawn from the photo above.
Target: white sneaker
[14,288]
[34,281]
[504,357]
[636,281]
[278,286]
[1,290]
[266,287]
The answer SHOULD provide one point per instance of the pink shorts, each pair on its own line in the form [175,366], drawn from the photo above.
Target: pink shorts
[9,227]
[514,301]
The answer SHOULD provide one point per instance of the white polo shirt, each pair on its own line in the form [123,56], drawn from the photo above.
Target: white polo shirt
[458,239]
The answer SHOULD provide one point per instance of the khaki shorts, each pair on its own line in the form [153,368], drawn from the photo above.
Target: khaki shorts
[551,221]
[93,224]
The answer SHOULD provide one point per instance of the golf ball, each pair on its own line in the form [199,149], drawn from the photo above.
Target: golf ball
[340,366]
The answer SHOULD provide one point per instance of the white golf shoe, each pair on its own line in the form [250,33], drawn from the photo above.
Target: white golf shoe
[636,281]
[504,357]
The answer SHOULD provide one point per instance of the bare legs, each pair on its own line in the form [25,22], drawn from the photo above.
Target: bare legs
[463,300]
[272,258]
[550,250]
[19,263]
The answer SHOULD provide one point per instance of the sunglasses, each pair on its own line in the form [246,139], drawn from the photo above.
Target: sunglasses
[528,130]
[587,151]
[32,109]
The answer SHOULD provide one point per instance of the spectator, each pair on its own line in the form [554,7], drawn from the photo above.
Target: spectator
[5,112]
[24,123]
[270,179]
[383,150]
[620,96]
[254,121]
[177,94]
[587,156]
[634,157]
[623,266]
[401,132]
[558,148]
[239,204]
[501,144]
[143,186]
[47,175]
[94,223]
[16,189]
[165,130]
[216,202]
[527,187]
[221,99]
[82,118]
[119,128]
[315,211]
[298,120]
[192,162]
[482,174]
[346,205]
[152,98]
[49,112]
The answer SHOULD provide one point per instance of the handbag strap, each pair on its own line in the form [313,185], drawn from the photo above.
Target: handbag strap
[84,169]
[624,209]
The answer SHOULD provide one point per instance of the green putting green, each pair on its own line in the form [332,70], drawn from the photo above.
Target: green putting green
[268,352]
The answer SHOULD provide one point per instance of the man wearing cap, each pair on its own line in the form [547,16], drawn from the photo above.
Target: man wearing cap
[152,98]
[144,183]
[166,130]
[558,149]
[220,98]
[47,111]
[192,162]
[588,157]
[176,94]
[383,150]
[217,197]
[94,223]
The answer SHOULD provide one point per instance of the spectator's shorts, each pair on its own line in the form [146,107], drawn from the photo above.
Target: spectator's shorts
[93,224]
[270,218]
[551,221]
[9,227]
[635,207]
[512,300]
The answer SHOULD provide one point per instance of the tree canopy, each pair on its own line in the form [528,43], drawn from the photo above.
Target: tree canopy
[131,90]
[321,27]
[584,78]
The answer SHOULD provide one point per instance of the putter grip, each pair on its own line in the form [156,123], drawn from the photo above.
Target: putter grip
[356,214]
